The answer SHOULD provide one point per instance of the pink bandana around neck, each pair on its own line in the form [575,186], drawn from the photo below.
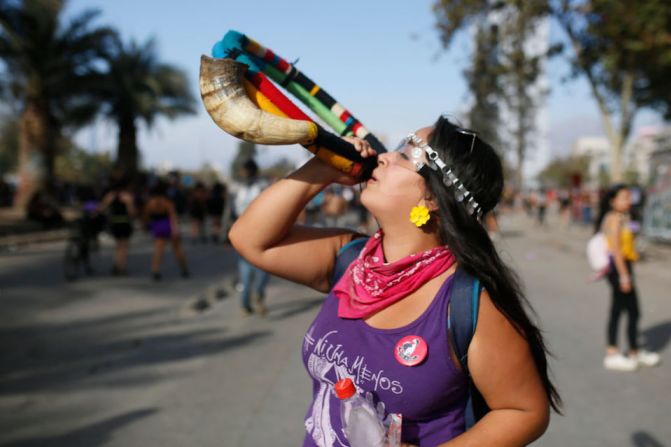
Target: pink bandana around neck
[369,285]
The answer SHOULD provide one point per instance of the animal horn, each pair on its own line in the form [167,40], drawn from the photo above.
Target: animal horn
[223,92]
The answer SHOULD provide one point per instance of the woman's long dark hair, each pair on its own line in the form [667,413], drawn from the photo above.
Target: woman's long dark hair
[605,206]
[482,174]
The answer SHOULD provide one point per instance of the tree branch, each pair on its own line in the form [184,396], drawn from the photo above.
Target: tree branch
[600,100]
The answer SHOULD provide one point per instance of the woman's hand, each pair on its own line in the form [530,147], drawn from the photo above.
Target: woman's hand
[625,283]
[363,147]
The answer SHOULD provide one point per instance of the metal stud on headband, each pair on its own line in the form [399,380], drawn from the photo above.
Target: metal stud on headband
[449,178]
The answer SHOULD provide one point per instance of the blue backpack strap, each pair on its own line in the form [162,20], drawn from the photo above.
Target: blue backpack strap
[346,255]
[463,313]
[462,319]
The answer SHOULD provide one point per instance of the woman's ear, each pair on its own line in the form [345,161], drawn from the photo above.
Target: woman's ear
[430,203]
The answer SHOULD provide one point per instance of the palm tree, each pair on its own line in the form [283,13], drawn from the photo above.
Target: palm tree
[49,67]
[137,88]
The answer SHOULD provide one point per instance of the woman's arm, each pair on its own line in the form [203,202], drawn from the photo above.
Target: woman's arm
[130,204]
[105,202]
[612,229]
[174,222]
[505,373]
[267,236]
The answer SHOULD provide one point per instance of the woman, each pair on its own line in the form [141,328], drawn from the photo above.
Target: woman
[615,222]
[250,276]
[161,219]
[402,284]
[121,210]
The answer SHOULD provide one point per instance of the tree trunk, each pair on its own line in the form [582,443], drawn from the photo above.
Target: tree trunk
[617,138]
[627,112]
[616,161]
[33,164]
[127,152]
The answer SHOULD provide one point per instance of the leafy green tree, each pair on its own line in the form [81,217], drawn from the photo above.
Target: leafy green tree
[522,69]
[483,78]
[516,68]
[623,49]
[139,88]
[49,67]
[75,165]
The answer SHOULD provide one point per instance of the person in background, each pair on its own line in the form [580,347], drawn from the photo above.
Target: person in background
[197,210]
[249,187]
[216,203]
[175,192]
[388,311]
[334,206]
[92,223]
[541,206]
[160,217]
[615,222]
[120,207]
[564,198]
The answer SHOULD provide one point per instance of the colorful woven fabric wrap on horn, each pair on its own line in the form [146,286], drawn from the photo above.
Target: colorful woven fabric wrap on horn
[264,94]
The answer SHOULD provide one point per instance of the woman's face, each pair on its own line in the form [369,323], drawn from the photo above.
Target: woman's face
[622,201]
[396,186]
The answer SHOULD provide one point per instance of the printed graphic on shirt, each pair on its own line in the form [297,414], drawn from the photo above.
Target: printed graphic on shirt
[327,362]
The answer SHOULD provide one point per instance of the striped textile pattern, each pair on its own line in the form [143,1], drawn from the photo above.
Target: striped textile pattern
[269,98]
[244,49]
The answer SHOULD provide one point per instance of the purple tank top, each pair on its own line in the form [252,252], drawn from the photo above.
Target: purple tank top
[431,396]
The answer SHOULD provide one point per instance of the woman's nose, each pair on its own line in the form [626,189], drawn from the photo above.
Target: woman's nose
[384,158]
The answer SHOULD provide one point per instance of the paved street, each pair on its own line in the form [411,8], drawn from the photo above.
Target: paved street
[127,362]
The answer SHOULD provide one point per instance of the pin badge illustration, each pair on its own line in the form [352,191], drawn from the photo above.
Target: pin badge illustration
[411,350]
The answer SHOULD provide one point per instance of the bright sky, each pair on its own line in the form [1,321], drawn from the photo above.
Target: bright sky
[382,59]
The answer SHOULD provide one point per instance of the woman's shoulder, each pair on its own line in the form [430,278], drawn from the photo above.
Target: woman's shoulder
[154,203]
[612,220]
[494,329]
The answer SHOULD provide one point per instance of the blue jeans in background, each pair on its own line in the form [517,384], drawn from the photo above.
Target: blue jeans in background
[246,271]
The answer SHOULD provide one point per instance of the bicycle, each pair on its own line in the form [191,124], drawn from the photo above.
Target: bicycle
[83,239]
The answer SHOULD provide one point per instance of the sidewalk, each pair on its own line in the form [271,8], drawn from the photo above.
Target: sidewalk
[574,238]
[16,230]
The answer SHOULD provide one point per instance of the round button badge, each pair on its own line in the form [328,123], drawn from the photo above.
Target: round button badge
[411,350]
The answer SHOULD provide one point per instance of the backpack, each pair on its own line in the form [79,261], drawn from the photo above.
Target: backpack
[461,320]
[597,252]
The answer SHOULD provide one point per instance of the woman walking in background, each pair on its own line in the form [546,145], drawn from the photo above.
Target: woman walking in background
[120,209]
[615,222]
[161,219]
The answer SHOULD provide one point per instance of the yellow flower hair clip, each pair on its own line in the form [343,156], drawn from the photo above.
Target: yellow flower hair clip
[419,215]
